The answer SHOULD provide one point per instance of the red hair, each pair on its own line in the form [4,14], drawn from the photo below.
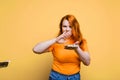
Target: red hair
[76,33]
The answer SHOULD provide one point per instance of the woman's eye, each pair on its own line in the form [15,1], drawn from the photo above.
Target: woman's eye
[64,26]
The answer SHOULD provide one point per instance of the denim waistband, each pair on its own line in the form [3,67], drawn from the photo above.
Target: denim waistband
[64,74]
[59,76]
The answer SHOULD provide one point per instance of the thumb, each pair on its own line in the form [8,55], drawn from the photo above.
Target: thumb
[77,42]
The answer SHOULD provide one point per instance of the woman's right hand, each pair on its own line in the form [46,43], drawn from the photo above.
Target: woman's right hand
[62,38]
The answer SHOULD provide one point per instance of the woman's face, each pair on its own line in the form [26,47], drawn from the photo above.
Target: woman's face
[66,27]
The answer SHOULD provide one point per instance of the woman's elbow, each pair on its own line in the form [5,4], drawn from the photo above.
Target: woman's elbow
[87,63]
[36,51]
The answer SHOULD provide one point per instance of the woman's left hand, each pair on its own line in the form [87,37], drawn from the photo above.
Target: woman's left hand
[72,46]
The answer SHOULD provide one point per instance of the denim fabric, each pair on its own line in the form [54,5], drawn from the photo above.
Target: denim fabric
[57,76]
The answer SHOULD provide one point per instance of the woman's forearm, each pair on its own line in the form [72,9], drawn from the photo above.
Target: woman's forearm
[43,46]
[84,56]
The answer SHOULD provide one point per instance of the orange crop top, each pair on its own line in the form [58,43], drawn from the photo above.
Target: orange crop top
[66,61]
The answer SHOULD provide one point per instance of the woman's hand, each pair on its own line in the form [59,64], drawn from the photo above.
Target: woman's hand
[63,37]
[72,46]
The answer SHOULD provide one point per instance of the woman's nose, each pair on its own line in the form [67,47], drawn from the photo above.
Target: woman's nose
[68,29]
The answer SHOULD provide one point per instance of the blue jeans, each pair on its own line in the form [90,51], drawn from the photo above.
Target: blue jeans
[58,76]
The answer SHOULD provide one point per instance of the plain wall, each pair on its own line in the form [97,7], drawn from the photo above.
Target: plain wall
[24,23]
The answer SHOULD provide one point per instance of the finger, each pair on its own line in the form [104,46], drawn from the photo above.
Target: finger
[77,42]
[67,34]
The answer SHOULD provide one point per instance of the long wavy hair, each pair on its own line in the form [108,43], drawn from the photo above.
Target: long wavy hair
[76,33]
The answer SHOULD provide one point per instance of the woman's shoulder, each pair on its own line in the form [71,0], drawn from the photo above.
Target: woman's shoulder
[83,45]
[83,41]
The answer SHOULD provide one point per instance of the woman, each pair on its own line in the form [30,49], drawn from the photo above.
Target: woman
[69,49]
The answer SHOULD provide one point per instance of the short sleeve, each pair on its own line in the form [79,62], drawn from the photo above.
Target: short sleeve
[83,45]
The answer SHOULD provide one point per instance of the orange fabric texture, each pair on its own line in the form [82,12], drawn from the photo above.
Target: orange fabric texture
[66,61]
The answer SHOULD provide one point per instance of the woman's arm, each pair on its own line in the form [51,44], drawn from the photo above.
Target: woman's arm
[84,56]
[43,46]
[83,52]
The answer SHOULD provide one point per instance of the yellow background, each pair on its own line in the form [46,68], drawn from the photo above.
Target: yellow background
[23,23]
